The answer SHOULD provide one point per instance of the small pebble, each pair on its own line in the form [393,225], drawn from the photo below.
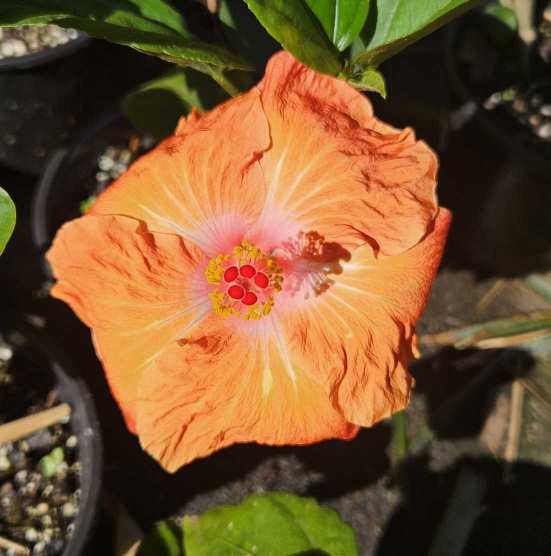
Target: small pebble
[72,441]
[519,105]
[105,163]
[41,509]
[68,510]
[118,169]
[125,157]
[21,477]
[492,101]
[544,131]
[24,446]
[29,489]
[46,493]
[6,352]
[19,47]
[40,440]
[6,48]
[31,535]
[545,110]
[535,120]
[4,463]
[39,548]
[547,14]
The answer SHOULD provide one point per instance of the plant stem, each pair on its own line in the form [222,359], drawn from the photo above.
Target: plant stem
[399,437]
[225,83]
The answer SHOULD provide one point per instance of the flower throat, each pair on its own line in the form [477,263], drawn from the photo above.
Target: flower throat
[246,281]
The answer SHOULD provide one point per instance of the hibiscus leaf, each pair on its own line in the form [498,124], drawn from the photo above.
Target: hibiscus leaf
[177,92]
[163,540]
[369,79]
[394,24]
[7,219]
[342,20]
[275,523]
[150,26]
[296,28]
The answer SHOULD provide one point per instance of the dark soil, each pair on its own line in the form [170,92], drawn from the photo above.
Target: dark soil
[40,474]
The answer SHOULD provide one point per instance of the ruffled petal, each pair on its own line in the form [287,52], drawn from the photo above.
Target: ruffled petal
[134,289]
[336,169]
[359,334]
[221,388]
[194,181]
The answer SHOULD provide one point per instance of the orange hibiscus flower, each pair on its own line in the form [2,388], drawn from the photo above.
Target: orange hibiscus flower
[258,276]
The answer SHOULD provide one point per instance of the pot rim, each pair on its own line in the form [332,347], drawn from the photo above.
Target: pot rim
[45,56]
[85,425]
[45,186]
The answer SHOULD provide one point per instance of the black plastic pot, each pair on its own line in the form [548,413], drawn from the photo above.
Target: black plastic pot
[496,181]
[33,348]
[36,104]
[69,178]
[44,104]
[45,56]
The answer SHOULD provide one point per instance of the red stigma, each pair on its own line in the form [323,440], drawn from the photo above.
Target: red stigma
[237,292]
[249,299]
[261,280]
[231,274]
[247,271]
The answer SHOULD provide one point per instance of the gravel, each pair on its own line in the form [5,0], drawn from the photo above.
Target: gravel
[113,161]
[37,509]
[28,39]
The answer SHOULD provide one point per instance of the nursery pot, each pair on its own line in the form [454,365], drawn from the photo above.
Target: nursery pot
[31,350]
[496,180]
[69,177]
[38,102]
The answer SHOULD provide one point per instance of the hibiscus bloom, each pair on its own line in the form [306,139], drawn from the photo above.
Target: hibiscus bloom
[258,276]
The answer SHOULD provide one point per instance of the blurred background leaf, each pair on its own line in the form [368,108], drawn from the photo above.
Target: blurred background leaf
[369,79]
[279,524]
[149,26]
[7,219]
[342,20]
[394,24]
[177,93]
[163,540]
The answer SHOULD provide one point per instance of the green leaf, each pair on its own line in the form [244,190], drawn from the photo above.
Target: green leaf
[7,219]
[49,464]
[176,93]
[296,28]
[342,20]
[394,24]
[87,204]
[502,14]
[496,333]
[272,524]
[163,540]
[369,79]
[149,26]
